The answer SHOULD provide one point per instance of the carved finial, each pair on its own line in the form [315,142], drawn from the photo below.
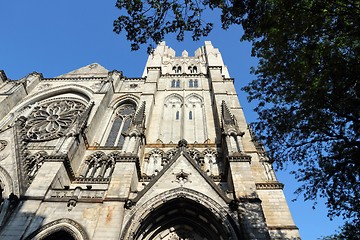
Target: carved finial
[129,204]
[182,143]
[36,74]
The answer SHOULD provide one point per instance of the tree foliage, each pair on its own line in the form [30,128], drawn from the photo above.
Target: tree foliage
[306,83]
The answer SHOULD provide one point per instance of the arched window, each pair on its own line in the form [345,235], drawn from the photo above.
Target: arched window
[178,83]
[173,82]
[196,84]
[191,83]
[176,69]
[120,123]
[170,123]
[192,69]
[98,165]
[195,117]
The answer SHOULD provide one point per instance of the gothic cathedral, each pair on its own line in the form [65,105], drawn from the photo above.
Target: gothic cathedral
[93,154]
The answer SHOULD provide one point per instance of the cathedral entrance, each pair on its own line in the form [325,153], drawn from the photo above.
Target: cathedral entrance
[181,219]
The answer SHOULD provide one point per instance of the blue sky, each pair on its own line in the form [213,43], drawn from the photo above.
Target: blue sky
[55,37]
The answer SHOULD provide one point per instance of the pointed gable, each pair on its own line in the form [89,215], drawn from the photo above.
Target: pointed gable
[182,172]
[91,70]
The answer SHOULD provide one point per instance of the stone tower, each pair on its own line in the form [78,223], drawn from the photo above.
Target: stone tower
[93,154]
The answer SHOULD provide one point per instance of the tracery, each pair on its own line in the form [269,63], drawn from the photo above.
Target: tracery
[52,119]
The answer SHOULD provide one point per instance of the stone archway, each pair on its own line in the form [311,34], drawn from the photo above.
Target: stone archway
[181,214]
[64,228]
[181,219]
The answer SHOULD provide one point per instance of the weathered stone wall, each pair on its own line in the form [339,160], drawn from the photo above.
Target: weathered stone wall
[217,179]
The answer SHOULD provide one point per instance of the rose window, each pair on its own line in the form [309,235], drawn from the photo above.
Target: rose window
[51,120]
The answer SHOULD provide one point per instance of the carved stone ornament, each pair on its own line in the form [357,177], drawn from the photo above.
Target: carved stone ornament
[182,177]
[51,120]
[182,143]
[3,144]
[44,86]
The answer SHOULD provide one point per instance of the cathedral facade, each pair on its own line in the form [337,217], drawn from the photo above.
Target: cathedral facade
[93,154]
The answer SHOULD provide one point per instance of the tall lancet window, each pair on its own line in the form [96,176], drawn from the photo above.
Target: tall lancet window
[196,84]
[195,118]
[171,120]
[191,83]
[121,121]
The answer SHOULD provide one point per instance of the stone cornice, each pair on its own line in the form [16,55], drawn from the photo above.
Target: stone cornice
[93,180]
[74,79]
[214,67]
[239,158]
[269,185]
[134,79]
[182,75]
[85,195]
[287,227]
[172,145]
[229,79]
[153,68]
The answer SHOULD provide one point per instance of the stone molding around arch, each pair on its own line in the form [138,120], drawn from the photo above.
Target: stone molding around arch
[81,92]
[128,98]
[7,182]
[139,213]
[64,224]
[174,96]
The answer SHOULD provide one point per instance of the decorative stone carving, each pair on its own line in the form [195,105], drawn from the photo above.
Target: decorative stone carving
[195,155]
[182,143]
[171,153]
[210,164]
[32,165]
[98,168]
[84,194]
[96,86]
[154,163]
[52,119]
[44,86]
[269,185]
[3,144]
[182,177]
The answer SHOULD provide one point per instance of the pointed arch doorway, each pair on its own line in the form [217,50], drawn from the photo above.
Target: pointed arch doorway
[182,219]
